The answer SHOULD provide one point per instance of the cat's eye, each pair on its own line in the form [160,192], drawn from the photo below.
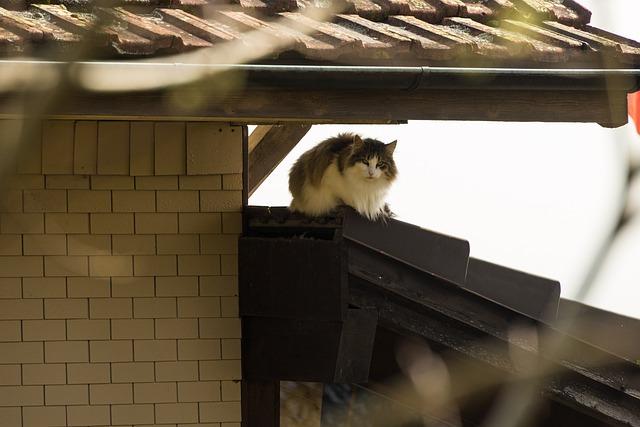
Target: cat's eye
[382,165]
[366,162]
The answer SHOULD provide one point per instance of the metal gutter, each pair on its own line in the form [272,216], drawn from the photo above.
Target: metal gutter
[128,76]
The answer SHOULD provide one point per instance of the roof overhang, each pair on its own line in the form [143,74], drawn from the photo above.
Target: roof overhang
[318,94]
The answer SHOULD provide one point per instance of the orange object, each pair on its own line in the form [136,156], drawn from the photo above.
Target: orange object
[634,108]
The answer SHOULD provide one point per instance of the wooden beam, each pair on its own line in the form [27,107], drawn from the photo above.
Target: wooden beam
[270,147]
[260,403]
[349,106]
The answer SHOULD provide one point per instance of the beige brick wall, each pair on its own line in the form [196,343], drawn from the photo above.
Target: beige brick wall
[118,276]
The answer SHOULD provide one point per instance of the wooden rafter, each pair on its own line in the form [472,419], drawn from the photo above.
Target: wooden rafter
[268,146]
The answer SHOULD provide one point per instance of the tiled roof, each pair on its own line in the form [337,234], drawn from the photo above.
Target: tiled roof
[543,33]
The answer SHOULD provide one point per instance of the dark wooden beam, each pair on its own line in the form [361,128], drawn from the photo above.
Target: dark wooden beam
[348,106]
[269,148]
[260,403]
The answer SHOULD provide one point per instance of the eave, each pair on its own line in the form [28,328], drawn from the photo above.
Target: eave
[321,94]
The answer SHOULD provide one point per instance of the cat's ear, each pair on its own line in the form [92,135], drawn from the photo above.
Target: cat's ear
[390,147]
[357,143]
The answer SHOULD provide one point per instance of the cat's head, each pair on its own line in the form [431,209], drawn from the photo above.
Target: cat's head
[373,159]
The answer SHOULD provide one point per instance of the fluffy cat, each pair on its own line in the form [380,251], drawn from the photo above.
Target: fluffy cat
[344,170]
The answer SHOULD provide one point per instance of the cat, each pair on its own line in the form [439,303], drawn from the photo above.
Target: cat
[344,170]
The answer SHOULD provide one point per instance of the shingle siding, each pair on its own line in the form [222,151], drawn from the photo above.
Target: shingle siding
[118,286]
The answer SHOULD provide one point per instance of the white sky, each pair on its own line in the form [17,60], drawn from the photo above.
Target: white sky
[536,197]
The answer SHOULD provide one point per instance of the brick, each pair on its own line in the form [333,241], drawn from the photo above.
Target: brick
[11,200]
[44,416]
[199,349]
[220,201]
[85,148]
[57,147]
[155,393]
[112,182]
[21,223]
[10,330]
[153,308]
[156,223]
[177,413]
[213,148]
[224,327]
[10,375]
[219,244]
[89,244]
[29,158]
[154,350]
[198,265]
[89,201]
[219,285]
[66,223]
[170,148]
[111,351]
[66,351]
[43,330]
[176,328]
[231,390]
[176,286]
[176,371]
[65,308]
[110,393]
[133,244]
[21,352]
[200,182]
[134,201]
[231,223]
[67,182]
[23,182]
[66,265]
[44,287]
[66,394]
[156,183]
[87,287]
[132,414]
[113,148]
[231,348]
[88,329]
[231,181]
[40,373]
[220,370]
[11,417]
[199,307]
[133,372]
[10,287]
[86,416]
[88,373]
[29,395]
[132,287]
[142,148]
[199,391]
[132,329]
[45,200]
[199,222]
[154,265]
[229,265]
[19,309]
[112,223]
[178,201]
[121,265]
[229,307]
[110,308]
[220,412]
[178,244]
[45,244]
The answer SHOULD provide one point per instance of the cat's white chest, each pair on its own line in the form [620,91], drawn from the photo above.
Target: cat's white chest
[367,197]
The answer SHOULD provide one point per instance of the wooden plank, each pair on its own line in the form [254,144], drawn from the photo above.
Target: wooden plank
[267,154]
[351,106]
[257,135]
